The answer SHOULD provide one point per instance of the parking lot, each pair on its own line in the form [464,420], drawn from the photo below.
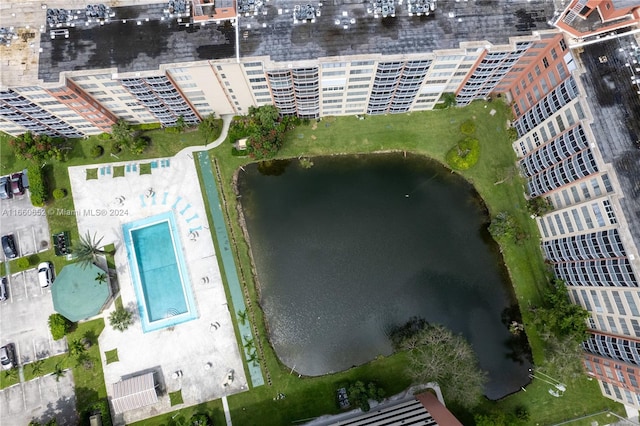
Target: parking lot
[28,224]
[40,399]
[24,318]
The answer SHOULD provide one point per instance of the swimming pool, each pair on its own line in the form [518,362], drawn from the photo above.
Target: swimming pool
[158,271]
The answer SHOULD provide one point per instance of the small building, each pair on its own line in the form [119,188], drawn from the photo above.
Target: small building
[241,144]
[134,392]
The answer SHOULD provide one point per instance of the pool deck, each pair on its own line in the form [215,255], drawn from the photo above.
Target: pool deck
[204,349]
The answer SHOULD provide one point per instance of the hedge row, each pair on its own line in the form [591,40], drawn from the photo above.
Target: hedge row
[37,185]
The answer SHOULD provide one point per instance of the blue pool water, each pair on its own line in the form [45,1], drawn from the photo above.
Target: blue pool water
[158,272]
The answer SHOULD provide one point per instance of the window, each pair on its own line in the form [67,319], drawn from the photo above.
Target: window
[563,45]
[545,62]
[554,54]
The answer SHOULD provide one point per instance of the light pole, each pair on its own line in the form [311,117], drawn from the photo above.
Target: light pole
[561,387]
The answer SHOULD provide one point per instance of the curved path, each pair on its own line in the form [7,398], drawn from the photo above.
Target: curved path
[226,122]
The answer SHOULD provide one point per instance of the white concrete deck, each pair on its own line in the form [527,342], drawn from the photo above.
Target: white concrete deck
[204,349]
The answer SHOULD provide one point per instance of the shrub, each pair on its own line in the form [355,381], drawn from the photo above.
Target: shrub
[36,148]
[22,263]
[139,145]
[174,130]
[116,147]
[103,407]
[539,206]
[200,419]
[468,128]
[522,413]
[96,151]
[59,193]
[464,155]
[146,126]
[59,326]
[37,185]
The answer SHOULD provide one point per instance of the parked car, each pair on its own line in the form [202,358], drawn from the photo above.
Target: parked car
[16,184]
[45,274]
[9,246]
[5,188]
[3,289]
[7,357]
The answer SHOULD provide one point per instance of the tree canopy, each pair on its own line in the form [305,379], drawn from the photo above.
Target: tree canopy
[36,148]
[264,129]
[436,354]
[559,316]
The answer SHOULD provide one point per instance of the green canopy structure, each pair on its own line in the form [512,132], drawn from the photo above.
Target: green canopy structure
[77,295]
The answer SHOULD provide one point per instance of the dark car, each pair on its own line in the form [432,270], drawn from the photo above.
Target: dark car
[9,246]
[5,188]
[16,184]
[3,289]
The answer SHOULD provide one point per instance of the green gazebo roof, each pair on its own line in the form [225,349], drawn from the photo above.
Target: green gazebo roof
[77,294]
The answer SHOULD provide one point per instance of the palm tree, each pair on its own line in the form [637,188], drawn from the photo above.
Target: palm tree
[58,371]
[36,367]
[242,316]
[77,348]
[248,343]
[101,277]
[180,124]
[121,132]
[120,319]
[11,373]
[253,358]
[87,250]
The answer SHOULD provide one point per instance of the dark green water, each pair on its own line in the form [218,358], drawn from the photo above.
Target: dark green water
[354,246]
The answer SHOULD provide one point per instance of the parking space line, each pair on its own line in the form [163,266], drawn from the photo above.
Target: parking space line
[24,282]
[24,396]
[33,234]
[17,348]
[40,389]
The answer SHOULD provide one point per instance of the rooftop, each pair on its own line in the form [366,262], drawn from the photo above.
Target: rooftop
[612,83]
[452,22]
[141,36]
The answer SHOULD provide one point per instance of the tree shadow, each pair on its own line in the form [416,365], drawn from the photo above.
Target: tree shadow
[63,411]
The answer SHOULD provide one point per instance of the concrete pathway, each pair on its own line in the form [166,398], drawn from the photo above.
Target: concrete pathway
[225,407]
[226,122]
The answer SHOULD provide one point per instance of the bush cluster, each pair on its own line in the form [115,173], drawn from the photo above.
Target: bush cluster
[96,151]
[37,185]
[22,263]
[464,155]
[59,326]
[59,193]
[468,128]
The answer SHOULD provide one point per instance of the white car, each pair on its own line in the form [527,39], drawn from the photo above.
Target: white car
[6,357]
[45,274]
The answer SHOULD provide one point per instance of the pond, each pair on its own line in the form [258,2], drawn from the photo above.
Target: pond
[353,246]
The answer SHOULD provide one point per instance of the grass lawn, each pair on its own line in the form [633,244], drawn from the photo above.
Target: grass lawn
[111,356]
[175,398]
[9,378]
[431,134]
[428,133]
[163,144]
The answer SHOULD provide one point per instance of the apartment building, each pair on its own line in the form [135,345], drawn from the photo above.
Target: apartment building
[577,115]
[570,73]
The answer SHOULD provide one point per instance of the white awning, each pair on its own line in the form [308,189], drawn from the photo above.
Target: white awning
[133,393]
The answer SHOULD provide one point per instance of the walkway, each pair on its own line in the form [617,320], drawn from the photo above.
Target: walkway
[229,266]
[226,122]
